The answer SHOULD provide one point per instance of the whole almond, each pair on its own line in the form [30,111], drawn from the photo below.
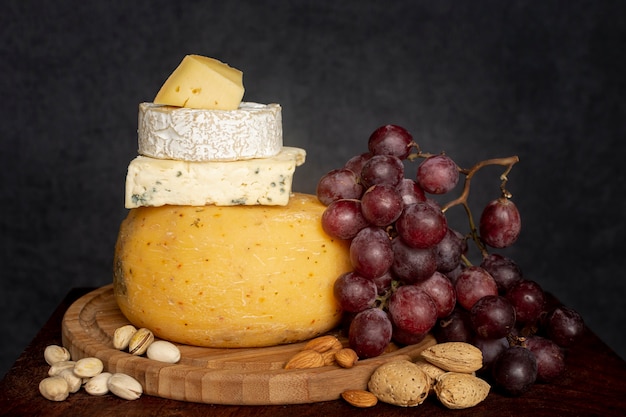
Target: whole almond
[399,382]
[329,357]
[346,358]
[323,343]
[305,359]
[454,357]
[460,390]
[430,370]
[359,398]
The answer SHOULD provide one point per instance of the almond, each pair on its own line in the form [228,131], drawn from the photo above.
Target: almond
[305,359]
[460,390]
[346,358]
[329,357]
[359,398]
[323,344]
[399,382]
[454,357]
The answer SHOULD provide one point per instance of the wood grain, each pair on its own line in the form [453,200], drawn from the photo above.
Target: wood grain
[215,376]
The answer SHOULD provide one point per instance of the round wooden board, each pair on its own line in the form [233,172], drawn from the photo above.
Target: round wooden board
[253,376]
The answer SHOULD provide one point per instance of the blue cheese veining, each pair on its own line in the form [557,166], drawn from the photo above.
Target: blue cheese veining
[260,181]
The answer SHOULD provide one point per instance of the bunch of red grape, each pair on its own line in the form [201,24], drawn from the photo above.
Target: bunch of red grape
[411,273]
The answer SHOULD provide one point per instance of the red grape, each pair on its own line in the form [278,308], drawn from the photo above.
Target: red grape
[370,332]
[338,184]
[391,140]
[492,317]
[490,349]
[412,310]
[410,264]
[383,282]
[438,174]
[381,204]
[449,250]
[382,169]
[410,192]
[564,326]
[441,290]
[354,293]
[370,252]
[515,370]
[343,219]
[504,270]
[472,284]
[355,164]
[406,338]
[500,223]
[421,225]
[454,328]
[549,356]
[528,299]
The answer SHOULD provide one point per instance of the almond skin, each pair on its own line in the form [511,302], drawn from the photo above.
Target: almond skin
[323,344]
[460,390]
[305,359]
[454,357]
[359,398]
[346,358]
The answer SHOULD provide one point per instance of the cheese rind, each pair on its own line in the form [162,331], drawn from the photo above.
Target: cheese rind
[230,276]
[252,131]
[202,83]
[262,181]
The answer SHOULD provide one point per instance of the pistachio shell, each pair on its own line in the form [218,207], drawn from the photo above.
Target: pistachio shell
[163,351]
[125,386]
[54,388]
[54,353]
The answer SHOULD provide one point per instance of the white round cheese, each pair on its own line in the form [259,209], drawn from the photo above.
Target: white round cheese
[252,131]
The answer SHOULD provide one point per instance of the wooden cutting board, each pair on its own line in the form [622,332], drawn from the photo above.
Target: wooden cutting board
[253,376]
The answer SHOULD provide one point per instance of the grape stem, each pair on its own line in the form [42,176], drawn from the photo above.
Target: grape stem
[507,162]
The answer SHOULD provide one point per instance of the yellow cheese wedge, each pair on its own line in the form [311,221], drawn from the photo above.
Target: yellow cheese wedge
[242,276]
[202,83]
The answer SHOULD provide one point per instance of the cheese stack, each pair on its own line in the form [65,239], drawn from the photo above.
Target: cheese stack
[216,251]
[199,144]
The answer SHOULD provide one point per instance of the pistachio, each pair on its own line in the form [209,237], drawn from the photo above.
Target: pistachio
[140,341]
[60,366]
[73,382]
[54,388]
[54,353]
[125,386]
[122,336]
[88,367]
[163,351]
[98,385]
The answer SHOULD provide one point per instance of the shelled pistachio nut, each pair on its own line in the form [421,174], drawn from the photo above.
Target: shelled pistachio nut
[140,341]
[88,367]
[125,386]
[98,385]
[54,353]
[54,388]
[163,351]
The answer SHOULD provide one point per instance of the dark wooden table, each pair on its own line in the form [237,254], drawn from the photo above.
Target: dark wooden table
[593,385]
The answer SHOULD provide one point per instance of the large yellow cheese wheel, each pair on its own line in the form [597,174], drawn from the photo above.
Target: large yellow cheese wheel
[240,276]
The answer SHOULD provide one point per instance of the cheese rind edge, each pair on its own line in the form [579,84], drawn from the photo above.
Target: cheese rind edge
[252,131]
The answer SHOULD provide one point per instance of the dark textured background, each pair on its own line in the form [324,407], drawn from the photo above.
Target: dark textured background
[541,79]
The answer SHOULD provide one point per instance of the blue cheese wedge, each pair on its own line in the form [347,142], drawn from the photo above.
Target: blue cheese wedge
[253,130]
[261,181]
